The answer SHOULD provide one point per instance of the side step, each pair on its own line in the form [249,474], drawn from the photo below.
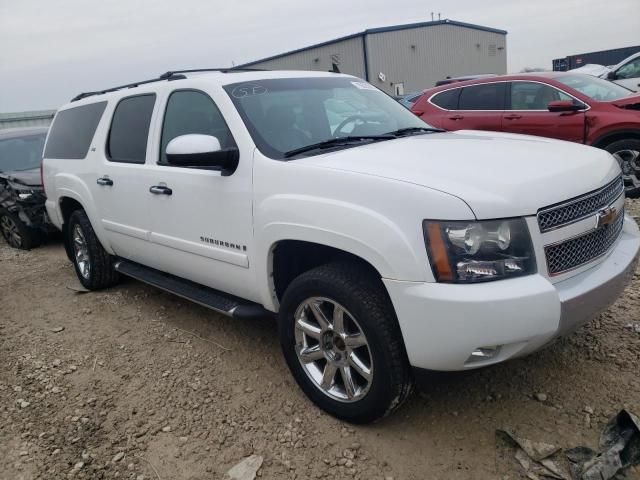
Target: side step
[207,297]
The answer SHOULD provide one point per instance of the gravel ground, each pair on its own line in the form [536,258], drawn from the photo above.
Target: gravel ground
[135,383]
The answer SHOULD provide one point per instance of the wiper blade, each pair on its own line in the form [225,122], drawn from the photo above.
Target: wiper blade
[409,130]
[335,142]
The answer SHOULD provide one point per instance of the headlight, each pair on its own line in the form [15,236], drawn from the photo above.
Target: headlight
[470,252]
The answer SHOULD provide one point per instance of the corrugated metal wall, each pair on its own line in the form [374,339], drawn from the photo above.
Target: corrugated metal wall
[420,57]
[40,118]
[348,53]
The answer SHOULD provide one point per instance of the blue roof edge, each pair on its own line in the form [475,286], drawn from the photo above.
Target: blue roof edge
[379,30]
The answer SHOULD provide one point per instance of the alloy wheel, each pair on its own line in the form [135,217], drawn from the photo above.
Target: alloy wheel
[333,349]
[81,252]
[10,231]
[629,161]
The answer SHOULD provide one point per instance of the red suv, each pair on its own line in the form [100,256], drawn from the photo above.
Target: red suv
[567,106]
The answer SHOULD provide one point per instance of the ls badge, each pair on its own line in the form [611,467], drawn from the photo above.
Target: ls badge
[606,216]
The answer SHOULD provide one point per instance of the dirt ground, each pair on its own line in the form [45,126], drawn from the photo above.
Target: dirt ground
[140,385]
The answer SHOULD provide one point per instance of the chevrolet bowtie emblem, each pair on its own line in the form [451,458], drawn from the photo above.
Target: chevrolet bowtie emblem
[606,216]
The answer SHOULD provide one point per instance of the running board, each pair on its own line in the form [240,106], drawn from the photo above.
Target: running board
[207,297]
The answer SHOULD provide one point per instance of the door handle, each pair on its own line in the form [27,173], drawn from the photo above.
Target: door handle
[456,117]
[512,117]
[105,181]
[160,190]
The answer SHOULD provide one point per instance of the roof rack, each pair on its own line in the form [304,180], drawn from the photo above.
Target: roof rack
[168,76]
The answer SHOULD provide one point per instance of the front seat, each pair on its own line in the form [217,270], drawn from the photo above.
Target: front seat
[283,133]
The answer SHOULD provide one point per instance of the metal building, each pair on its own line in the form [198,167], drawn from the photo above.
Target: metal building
[403,58]
[39,118]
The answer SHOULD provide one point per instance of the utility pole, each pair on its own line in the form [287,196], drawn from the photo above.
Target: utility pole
[432,16]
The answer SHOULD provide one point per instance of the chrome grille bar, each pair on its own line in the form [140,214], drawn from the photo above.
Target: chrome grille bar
[550,218]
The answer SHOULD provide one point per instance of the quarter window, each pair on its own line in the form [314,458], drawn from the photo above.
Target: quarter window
[489,96]
[191,111]
[447,100]
[130,129]
[73,130]
[534,96]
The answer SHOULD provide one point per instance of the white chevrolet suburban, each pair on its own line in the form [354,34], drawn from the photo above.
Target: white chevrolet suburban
[384,247]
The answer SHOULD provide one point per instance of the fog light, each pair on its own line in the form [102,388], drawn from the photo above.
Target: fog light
[482,354]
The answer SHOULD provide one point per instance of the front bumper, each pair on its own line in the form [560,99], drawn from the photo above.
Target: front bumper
[442,324]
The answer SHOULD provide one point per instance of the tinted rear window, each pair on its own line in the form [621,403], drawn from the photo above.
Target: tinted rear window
[447,100]
[489,96]
[73,130]
[130,129]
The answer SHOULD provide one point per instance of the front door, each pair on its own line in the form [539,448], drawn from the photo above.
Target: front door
[528,113]
[203,229]
[480,107]
[120,188]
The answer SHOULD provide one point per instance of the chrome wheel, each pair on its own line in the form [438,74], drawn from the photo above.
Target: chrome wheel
[629,161]
[10,231]
[333,349]
[81,251]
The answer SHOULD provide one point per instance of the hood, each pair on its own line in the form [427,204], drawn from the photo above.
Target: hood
[498,175]
[630,103]
[26,177]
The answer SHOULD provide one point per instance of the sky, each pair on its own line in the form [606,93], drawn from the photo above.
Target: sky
[50,50]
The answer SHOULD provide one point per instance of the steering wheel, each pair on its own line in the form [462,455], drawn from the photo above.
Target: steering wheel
[347,121]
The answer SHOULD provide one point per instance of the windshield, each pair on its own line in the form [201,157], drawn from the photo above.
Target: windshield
[287,114]
[594,87]
[21,153]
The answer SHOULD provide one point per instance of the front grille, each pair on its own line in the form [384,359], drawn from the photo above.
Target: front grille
[578,251]
[581,207]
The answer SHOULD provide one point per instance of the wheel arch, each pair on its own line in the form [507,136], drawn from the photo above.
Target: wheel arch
[615,136]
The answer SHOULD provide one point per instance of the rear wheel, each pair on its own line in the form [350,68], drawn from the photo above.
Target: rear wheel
[627,153]
[16,233]
[342,342]
[93,265]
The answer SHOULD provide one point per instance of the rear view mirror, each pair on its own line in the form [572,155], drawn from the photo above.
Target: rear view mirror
[201,151]
[565,106]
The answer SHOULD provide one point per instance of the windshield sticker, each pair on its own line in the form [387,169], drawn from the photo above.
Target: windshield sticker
[363,86]
[248,90]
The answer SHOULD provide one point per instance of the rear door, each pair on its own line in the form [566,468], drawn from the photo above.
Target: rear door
[480,107]
[528,112]
[120,188]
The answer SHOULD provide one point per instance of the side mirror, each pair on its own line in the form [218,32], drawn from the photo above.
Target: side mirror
[565,106]
[611,76]
[201,151]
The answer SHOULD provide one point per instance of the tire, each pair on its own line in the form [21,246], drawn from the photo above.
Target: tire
[627,152]
[93,265]
[368,310]
[16,233]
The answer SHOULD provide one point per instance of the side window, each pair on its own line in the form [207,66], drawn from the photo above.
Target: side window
[191,111]
[447,100]
[534,96]
[489,96]
[130,129]
[630,70]
[73,130]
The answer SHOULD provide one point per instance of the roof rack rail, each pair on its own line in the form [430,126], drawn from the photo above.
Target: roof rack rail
[168,76]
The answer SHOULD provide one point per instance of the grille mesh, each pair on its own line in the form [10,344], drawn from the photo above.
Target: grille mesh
[580,250]
[554,217]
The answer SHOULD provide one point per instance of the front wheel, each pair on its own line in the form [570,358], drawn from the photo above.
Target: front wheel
[627,153]
[16,233]
[342,343]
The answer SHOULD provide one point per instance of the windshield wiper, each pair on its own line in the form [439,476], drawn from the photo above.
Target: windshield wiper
[412,130]
[336,142]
